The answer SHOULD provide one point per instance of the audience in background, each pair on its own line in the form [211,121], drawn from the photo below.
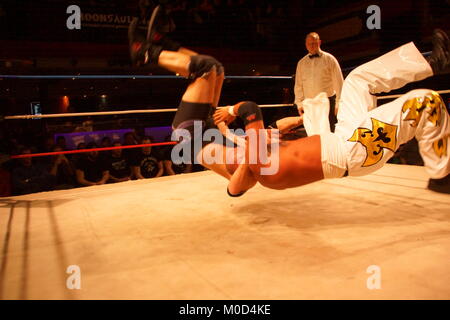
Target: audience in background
[147,162]
[63,171]
[5,177]
[48,144]
[91,169]
[61,142]
[105,143]
[171,168]
[118,165]
[130,139]
[31,177]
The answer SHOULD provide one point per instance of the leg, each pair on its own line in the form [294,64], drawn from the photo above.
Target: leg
[218,88]
[418,113]
[197,102]
[388,72]
[176,62]
[187,51]
[144,44]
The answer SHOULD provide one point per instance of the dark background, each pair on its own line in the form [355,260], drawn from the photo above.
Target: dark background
[250,37]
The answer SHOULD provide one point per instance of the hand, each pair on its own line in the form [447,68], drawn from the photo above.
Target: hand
[61,159]
[222,115]
[300,109]
[222,128]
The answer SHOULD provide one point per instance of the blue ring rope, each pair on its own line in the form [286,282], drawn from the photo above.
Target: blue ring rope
[124,76]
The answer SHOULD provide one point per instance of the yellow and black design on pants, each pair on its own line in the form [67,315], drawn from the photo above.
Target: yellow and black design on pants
[440,147]
[416,106]
[382,135]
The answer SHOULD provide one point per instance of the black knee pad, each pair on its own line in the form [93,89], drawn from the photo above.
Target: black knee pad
[249,112]
[202,64]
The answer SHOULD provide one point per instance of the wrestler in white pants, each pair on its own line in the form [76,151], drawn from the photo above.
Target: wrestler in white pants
[372,135]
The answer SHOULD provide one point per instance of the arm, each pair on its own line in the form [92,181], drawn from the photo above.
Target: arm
[188,168]
[251,115]
[137,172]
[168,167]
[223,128]
[243,178]
[81,180]
[19,180]
[105,178]
[288,123]
[67,166]
[298,87]
[54,168]
[241,181]
[161,169]
[338,81]
[114,179]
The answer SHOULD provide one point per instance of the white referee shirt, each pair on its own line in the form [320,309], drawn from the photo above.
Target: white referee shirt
[316,75]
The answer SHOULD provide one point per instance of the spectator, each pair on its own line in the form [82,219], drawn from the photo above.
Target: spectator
[5,177]
[49,144]
[318,72]
[81,145]
[61,142]
[106,143]
[170,168]
[28,177]
[119,167]
[147,164]
[91,169]
[61,168]
[129,139]
[75,157]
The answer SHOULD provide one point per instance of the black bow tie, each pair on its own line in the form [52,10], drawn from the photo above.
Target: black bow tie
[312,56]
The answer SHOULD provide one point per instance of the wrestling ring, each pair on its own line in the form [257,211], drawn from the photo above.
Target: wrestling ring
[182,237]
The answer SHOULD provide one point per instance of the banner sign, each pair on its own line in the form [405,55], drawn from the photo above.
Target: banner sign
[159,134]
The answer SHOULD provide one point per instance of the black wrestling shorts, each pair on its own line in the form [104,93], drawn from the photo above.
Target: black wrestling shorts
[189,125]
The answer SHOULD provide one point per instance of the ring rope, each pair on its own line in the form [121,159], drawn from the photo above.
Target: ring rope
[45,154]
[106,113]
[124,76]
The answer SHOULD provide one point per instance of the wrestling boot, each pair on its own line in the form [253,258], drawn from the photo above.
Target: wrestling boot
[144,48]
[440,56]
[440,185]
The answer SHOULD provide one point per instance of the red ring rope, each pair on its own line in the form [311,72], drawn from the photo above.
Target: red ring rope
[31,155]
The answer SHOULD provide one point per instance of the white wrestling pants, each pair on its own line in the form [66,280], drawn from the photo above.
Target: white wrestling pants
[371,137]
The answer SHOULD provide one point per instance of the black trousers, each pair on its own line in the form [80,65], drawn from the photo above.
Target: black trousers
[332,116]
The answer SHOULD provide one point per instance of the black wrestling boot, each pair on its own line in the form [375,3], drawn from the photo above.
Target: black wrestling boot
[440,185]
[440,56]
[145,48]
